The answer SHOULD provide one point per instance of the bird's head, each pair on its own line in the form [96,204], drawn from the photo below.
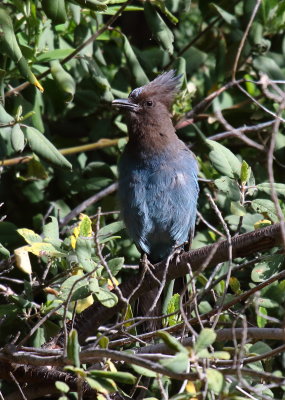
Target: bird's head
[154,98]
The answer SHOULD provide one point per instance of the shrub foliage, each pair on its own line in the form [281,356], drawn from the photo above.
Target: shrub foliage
[69,275]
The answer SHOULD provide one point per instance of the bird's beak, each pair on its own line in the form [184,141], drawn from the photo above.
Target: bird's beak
[125,104]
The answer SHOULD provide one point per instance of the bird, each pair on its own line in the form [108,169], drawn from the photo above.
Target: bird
[158,184]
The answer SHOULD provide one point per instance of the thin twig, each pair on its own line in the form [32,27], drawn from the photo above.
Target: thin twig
[88,202]
[230,256]
[242,129]
[18,385]
[242,42]
[235,132]
[36,327]
[271,173]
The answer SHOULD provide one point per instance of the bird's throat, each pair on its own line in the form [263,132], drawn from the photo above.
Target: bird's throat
[152,137]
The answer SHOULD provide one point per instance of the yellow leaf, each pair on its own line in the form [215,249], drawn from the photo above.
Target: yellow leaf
[190,388]
[110,283]
[73,241]
[38,85]
[262,223]
[22,260]
[111,366]
[77,271]
[44,249]
[82,304]
[50,290]
[29,235]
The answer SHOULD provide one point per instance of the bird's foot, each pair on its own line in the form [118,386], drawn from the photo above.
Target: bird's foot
[145,263]
[175,255]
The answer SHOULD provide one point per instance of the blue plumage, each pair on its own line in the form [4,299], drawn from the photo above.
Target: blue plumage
[158,186]
[158,200]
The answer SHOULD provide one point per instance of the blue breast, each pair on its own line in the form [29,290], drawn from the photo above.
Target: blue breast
[158,200]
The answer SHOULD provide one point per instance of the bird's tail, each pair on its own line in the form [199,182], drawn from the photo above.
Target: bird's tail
[147,308]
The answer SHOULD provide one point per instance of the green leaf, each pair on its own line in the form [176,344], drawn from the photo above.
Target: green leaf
[51,229]
[171,342]
[100,80]
[230,19]
[44,148]
[55,10]
[8,310]
[235,285]
[266,268]
[266,187]
[83,251]
[5,118]
[269,66]
[245,172]
[113,9]
[206,337]
[94,384]
[229,187]
[264,391]
[172,306]
[215,380]
[261,321]
[220,355]
[11,48]
[122,377]
[161,5]
[108,385]
[266,208]
[95,5]
[80,288]
[224,160]
[106,298]
[103,342]
[267,303]
[73,348]
[158,27]
[177,364]
[57,54]
[64,80]
[144,371]
[133,63]
[85,226]
[259,348]
[17,138]
[116,265]
[238,209]
[4,252]
[110,229]
[62,387]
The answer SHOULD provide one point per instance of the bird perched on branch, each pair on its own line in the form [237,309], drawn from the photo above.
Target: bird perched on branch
[158,186]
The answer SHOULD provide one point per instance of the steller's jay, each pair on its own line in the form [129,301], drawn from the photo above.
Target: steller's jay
[158,186]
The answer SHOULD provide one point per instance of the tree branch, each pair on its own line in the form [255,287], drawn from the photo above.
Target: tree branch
[243,245]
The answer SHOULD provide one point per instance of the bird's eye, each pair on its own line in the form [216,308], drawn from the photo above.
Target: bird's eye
[149,103]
